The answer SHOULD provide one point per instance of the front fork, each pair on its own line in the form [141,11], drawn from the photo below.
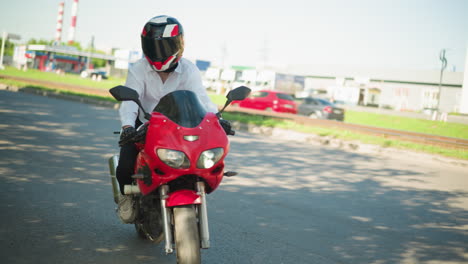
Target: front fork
[167,211]
[202,218]
[167,216]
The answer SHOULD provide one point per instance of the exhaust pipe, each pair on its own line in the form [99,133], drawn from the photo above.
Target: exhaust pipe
[113,162]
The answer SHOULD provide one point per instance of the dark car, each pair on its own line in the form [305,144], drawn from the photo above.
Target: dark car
[98,75]
[320,108]
[269,101]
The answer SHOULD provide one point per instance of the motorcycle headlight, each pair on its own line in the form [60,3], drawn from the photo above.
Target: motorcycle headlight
[208,158]
[175,159]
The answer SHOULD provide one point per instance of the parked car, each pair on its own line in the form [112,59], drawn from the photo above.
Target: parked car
[269,101]
[98,75]
[94,74]
[320,108]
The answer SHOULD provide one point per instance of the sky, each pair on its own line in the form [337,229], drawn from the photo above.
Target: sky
[387,34]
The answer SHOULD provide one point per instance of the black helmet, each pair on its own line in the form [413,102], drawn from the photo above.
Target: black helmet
[162,41]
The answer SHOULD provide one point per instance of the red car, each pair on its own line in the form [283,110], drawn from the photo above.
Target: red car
[269,101]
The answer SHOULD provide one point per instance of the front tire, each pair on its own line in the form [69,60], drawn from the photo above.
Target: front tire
[148,224]
[186,235]
[141,233]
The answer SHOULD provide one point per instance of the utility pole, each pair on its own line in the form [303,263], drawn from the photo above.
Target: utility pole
[443,66]
[224,54]
[91,49]
[264,54]
[4,36]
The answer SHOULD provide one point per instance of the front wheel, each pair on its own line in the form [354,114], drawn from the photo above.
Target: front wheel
[186,235]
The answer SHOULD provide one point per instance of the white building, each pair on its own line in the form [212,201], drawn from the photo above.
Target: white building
[395,89]
[464,96]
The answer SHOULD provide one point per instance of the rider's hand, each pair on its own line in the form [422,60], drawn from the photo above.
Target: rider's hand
[226,126]
[127,133]
[140,134]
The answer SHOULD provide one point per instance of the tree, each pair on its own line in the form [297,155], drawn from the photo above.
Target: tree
[98,63]
[77,45]
[9,47]
[39,42]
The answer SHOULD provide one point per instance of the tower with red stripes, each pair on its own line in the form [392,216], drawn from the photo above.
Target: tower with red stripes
[71,32]
[58,32]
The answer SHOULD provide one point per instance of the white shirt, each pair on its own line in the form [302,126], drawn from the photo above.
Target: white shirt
[142,78]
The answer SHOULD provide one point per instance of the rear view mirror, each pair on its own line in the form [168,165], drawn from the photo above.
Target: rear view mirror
[239,93]
[123,93]
[236,94]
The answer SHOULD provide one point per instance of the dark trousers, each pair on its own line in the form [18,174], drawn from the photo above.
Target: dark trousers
[126,166]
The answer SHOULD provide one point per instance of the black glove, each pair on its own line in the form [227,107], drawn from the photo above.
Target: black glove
[140,134]
[227,127]
[127,133]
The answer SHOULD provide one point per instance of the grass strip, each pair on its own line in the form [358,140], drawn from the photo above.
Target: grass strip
[447,129]
[25,85]
[66,78]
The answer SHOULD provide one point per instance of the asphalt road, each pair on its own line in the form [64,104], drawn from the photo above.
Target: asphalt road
[291,203]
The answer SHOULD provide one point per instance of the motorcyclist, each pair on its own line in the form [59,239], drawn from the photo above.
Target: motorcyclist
[161,71]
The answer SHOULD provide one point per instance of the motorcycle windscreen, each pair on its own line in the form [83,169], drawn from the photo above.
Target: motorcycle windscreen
[182,107]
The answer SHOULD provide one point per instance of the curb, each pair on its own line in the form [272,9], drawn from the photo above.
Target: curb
[351,146]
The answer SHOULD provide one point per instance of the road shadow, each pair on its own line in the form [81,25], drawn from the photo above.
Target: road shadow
[339,207]
[56,197]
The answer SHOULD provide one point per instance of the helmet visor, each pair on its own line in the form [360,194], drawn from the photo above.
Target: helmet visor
[159,49]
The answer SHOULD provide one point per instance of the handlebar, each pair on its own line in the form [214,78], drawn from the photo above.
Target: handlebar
[138,136]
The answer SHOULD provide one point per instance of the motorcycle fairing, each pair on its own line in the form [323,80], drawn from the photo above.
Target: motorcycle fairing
[164,133]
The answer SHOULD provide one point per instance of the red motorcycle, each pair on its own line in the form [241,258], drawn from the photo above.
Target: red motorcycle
[181,159]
